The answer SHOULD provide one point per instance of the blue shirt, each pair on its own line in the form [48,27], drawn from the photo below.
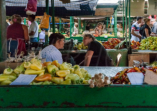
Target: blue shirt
[51,53]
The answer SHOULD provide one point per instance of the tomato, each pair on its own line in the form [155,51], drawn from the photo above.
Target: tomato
[131,70]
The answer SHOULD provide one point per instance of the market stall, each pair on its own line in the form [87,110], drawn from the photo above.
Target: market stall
[61,94]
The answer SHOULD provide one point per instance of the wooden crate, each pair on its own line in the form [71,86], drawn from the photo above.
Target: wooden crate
[138,57]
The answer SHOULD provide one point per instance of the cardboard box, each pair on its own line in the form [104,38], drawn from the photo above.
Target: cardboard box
[150,77]
[138,57]
[4,65]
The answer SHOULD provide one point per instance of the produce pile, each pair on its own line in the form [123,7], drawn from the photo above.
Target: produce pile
[149,43]
[135,45]
[80,46]
[121,77]
[111,43]
[49,73]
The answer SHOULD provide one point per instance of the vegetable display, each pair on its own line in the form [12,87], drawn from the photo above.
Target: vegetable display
[111,43]
[48,73]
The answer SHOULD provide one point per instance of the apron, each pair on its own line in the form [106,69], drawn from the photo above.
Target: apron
[20,47]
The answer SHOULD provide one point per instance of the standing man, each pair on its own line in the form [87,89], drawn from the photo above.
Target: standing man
[96,54]
[33,29]
[135,35]
[154,26]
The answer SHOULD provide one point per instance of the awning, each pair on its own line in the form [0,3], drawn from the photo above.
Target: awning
[75,8]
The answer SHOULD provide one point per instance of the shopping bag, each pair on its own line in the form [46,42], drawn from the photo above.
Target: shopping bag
[45,21]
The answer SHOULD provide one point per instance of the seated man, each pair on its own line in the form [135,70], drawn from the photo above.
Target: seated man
[51,52]
[96,54]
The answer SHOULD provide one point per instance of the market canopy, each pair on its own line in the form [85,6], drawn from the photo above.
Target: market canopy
[74,8]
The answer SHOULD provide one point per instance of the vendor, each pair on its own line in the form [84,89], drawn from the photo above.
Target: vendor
[67,34]
[51,52]
[96,54]
[33,29]
[145,29]
[75,29]
[17,35]
[99,30]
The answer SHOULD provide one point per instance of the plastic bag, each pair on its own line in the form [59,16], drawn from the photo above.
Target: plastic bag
[31,7]
[45,21]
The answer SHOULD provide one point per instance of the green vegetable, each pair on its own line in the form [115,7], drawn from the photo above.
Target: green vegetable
[65,66]
[4,77]
[52,69]
[19,69]
[8,71]
[6,82]
[66,82]
[47,83]
[36,83]
[75,79]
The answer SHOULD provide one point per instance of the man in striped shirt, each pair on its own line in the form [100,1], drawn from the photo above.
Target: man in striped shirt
[51,52]
[135,30]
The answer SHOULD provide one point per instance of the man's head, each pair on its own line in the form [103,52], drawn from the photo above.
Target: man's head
[87,39]
[152,21]
[57,40]
[76,24]
[139,19]
[31,18]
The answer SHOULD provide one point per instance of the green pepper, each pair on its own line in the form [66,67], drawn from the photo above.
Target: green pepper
[8,71]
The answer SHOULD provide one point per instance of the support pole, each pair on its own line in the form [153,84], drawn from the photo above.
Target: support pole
[129,22]
[84,25]
[79,25]
[46,32]
[60,25]
[123,19]
[126,12]
[53,15]
[25,23]
[115,23]
[71,26]
[3,27]
[107,23]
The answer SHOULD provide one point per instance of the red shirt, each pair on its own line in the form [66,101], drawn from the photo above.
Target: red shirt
[15,31]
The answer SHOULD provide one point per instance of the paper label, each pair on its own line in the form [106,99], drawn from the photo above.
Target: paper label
[136,78]
[23,79]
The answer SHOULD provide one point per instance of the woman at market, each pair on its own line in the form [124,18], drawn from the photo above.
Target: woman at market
[145,30]
[33,29]
[98,30]
[51,52]
[75,29]
[17,35]
[96,54]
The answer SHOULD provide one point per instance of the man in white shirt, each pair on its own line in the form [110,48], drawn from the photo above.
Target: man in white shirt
[135,30]
[33,29]
[75,29]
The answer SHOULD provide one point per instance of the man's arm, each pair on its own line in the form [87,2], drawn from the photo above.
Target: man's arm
[88,58]
[31,33]
[133,33]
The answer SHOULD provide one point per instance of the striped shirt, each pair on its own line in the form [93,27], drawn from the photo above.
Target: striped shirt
[136,29]
[51,53]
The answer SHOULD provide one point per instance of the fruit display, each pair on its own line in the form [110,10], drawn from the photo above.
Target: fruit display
[149,43]
[135,45]
[111,43]
[48,73]
[154,64]
[80,46]
[108,35]
[121,77]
